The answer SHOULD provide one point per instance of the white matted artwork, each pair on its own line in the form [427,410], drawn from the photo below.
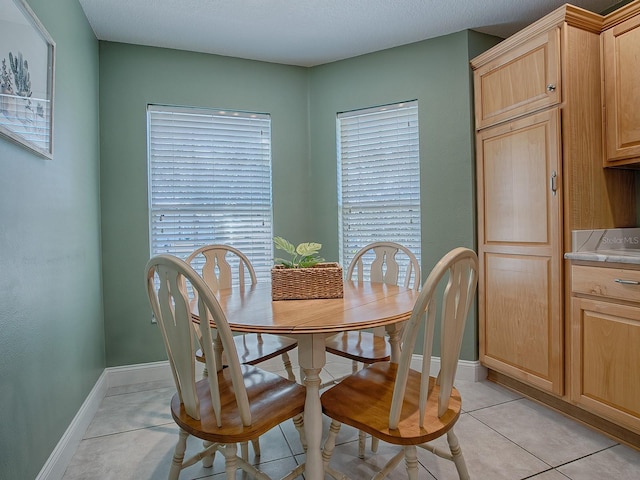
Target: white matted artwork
[27,55]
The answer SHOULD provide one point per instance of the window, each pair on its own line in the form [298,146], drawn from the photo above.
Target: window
[378,178]
[210,182]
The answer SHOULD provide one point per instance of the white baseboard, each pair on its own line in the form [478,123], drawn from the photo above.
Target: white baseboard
[57,462]
[59,459]
[468,371]
[139,373]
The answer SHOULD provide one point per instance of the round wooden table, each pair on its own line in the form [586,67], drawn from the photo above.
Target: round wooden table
[365,305]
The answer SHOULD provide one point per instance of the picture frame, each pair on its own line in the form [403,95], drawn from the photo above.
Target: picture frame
[27,62]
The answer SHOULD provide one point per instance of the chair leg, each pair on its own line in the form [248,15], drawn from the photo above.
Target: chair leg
[230,451]
[207,462]
[362,440]
[456,453]
[256,447]
[330,443]
[178,456]
[244,450]
[390,465]
[354,366]
[374,444]
[411,460]
[298,422]
[287,366]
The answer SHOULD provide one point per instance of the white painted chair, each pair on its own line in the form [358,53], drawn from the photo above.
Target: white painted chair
[407,407]
[215,263]
[234,404]
[381,260]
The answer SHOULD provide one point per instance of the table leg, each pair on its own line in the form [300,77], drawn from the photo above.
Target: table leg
[394,331]
[312,357]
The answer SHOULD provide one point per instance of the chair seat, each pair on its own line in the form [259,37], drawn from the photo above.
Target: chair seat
[362,347]
[253,350]
[363,400]
[272,400]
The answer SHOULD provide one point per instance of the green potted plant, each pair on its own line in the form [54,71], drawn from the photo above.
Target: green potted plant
[303,256]
[305,275]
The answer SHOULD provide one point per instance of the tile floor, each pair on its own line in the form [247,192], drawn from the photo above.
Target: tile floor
[503,436]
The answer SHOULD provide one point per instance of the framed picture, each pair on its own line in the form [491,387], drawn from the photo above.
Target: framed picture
[27,54]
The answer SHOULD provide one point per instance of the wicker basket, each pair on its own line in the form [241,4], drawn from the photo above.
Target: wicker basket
[323,280]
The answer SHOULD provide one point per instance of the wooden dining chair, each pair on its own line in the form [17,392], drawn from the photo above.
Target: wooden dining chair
[216,264]
[381,261]
[234,404]
[402,406]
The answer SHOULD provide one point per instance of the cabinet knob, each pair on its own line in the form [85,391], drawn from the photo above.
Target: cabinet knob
[626,282]
[551,87]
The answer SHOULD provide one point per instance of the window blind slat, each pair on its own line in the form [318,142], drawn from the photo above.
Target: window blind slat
[379,178]
[210,182]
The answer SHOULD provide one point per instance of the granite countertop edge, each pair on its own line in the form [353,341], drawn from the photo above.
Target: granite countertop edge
[610,257]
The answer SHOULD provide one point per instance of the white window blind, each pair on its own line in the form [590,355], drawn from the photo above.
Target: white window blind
[378,178]
[210,182]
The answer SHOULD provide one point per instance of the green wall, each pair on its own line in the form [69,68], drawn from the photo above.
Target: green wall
[132,77]
[303,104]
[435,72]
[74,230]
[51,325]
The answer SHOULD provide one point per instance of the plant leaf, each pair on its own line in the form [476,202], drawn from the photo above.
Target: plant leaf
[310,262]
[308,249]
[285,245]
[283,262]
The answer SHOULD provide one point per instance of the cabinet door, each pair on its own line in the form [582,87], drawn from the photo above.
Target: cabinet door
[605,359]
[621,47]
[523,80]
[520,250]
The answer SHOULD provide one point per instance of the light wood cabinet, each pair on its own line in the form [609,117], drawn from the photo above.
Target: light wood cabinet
[621,71]
[605,346]
[519,209]
[540,176]
[524,79]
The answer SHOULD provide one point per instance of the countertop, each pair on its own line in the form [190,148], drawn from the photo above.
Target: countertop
[615,245]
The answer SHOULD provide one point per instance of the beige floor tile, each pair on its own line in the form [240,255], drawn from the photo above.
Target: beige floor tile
[345,460]
[549,475]
[618,462]
[503,437]
[477,395]
[132,411]
[488,455]
[550,436]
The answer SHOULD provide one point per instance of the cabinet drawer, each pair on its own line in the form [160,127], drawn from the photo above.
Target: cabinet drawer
[613,283]
[521,81]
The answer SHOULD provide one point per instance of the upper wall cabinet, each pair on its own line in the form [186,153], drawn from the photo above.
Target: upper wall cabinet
[621,50]
[522,80]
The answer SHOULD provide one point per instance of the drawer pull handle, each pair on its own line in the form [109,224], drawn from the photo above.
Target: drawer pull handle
[626,282]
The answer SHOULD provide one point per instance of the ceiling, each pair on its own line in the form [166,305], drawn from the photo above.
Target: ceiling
[307,32]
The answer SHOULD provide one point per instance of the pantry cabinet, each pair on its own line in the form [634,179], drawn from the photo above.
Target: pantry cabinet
[539,176]
[521,253]
[605,338]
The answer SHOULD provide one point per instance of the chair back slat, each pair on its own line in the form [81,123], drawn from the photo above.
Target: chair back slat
[458,271]
[385,268]
[172,309]
[217,269]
